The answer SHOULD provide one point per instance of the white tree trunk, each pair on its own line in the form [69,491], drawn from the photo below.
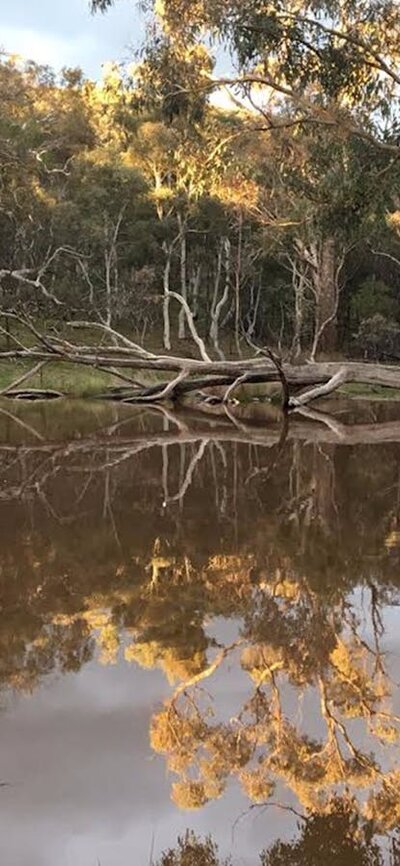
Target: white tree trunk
[166,282]
[183,258]
[215,315]
[238,272]
[195,286]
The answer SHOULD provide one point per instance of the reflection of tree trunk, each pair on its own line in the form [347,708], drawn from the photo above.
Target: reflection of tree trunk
[323,483]
[313,498]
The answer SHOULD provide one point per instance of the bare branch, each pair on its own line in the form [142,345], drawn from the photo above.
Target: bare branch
[192,327]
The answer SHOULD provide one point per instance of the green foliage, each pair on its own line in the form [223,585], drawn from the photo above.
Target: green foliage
[374,297]
[378,338]
[169,79]
[106,188]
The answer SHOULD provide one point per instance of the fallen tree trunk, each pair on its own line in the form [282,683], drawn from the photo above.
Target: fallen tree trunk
[185,375]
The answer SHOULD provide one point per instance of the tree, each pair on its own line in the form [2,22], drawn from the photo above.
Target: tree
[337,838]
[191,851]
[330,67]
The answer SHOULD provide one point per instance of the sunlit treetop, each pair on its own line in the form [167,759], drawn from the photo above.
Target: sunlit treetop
[327,52]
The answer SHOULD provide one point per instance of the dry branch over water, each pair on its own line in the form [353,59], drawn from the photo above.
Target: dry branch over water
[184,375]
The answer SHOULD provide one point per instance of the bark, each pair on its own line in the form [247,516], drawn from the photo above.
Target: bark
[166,279]
[255,296]
[195,286]
[183,257]
[217,280]
[325,280]
[321,260]
[238,273]
[111,234]
[335,382]
[218,305]
[299,288]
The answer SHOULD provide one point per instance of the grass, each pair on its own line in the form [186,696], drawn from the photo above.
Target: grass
[71,379]
[67,378]
[369,392]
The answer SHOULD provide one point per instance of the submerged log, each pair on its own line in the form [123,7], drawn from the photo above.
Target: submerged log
[32,394]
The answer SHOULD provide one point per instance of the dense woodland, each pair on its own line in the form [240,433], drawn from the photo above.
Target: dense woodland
[275,218]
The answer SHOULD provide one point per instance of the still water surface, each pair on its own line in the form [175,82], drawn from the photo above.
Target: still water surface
[196,616]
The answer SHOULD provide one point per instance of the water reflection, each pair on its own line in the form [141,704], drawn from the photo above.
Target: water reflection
[259,575]
[336,838]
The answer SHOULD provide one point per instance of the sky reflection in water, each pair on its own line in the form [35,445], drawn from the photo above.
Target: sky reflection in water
[139,553]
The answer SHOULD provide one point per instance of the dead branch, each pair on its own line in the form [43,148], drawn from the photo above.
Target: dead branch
[192,327]
[194,374]
[163,394]
[337,379]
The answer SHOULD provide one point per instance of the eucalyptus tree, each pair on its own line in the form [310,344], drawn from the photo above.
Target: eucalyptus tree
[324,69]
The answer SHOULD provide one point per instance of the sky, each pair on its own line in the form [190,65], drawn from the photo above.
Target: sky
[61,33]
[64,33]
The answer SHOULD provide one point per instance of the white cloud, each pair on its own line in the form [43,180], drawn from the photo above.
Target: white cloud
[221,98]
[66,34]
[47,48]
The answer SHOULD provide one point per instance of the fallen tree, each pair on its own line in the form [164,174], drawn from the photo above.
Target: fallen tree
[119,356]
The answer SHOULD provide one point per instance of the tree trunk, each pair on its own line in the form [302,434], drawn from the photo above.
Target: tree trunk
[325,279]
[218,305]
[182,236]
[195,285]
[166,278]
[299,286]
[238,273]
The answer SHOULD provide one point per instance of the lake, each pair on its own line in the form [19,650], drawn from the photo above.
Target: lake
[199,628]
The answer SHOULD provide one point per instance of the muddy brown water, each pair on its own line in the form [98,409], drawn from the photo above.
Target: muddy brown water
[196,616]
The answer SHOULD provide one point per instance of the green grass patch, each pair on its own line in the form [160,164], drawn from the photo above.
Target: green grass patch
[369,392]
[67,378]
[71,379]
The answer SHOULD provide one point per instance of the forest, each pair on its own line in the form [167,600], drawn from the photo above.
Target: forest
[253,218]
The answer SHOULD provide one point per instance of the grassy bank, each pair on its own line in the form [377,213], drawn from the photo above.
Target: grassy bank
[67,378]
[369,392]
[70,379]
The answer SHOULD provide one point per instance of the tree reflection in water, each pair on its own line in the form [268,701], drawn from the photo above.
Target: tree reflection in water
[337,837]
[139,542]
